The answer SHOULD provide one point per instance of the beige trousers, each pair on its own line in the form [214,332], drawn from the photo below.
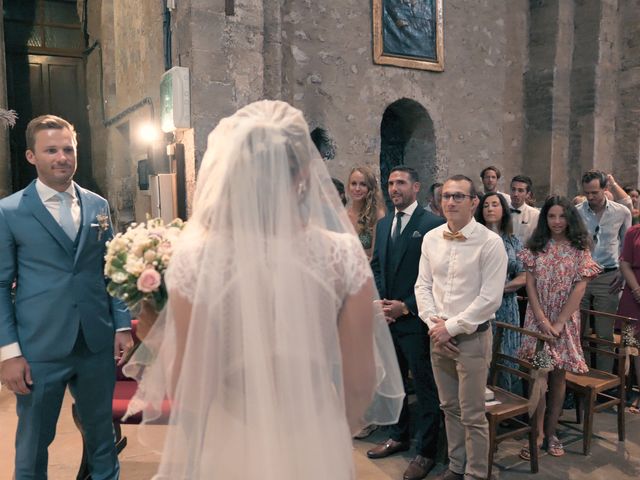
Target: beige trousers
[461,384]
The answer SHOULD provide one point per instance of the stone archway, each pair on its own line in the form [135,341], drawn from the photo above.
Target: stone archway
[407,138]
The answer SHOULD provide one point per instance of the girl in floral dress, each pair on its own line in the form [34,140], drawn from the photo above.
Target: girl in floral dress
[558,265]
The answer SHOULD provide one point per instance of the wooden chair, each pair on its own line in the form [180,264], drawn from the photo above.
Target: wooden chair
[512,407]
[594,388]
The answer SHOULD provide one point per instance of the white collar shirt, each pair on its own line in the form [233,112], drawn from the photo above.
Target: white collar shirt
[461,281]
[524,220]
[607,232]
[405,218]
[51,201]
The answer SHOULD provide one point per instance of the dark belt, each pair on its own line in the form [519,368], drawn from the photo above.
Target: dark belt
[607,270]
[483,326]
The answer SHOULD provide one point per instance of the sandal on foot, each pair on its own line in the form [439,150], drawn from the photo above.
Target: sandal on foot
[633,409]
[525,453]
[555,449]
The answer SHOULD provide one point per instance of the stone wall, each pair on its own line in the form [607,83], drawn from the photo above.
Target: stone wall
[542,87]
[475,104]
[628,120]
[124,68]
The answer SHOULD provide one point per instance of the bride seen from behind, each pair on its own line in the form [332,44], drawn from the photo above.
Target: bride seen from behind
[270,348]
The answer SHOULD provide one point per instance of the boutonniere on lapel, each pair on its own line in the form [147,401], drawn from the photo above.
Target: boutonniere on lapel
[102,225]
[416,234]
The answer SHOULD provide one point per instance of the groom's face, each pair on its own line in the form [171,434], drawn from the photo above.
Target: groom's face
[54,156]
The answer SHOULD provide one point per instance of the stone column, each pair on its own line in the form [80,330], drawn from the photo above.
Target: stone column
[606,87]
[626,165]
[539,94]
[561,109]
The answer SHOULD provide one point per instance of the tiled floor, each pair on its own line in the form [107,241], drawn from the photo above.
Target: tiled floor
[610,460]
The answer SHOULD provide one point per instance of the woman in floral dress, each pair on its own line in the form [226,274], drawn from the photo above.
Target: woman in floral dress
[495,215]
[558,265]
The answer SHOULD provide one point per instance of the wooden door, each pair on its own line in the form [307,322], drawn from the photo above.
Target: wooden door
[41,84]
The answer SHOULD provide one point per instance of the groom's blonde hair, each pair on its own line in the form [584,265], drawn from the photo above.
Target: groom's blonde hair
[47,122]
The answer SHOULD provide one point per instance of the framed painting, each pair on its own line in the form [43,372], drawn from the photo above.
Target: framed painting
[409,34]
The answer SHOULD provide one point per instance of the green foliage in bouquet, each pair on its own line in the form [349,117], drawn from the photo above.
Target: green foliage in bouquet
[136,261]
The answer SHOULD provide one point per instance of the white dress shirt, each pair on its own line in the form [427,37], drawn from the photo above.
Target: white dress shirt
[461,280]
[405,218]
[51,201]
[525,222]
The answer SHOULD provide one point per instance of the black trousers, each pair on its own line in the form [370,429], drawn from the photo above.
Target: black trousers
[412,350]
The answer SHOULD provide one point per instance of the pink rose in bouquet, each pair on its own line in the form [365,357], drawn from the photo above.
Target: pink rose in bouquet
[149,280]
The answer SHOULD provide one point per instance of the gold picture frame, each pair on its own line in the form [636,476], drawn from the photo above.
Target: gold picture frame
[409,34]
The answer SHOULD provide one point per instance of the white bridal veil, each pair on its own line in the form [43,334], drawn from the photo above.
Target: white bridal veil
[250,349]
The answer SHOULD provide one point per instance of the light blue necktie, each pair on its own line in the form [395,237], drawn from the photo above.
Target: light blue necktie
[66,219]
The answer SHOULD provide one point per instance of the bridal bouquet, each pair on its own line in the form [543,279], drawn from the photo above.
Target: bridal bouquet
[137,259]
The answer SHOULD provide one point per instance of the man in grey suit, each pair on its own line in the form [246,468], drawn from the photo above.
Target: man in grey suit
[63,329]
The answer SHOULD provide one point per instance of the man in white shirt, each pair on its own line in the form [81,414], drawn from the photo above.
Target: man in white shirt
[490,176]
[523,216]
[461,277]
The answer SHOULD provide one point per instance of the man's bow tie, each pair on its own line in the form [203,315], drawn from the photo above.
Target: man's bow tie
[453,236]
[515,210]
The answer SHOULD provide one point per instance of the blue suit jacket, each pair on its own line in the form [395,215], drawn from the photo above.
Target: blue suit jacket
[397,282]
[60,283]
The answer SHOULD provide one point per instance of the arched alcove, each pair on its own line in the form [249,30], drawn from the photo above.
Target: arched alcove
[407,138]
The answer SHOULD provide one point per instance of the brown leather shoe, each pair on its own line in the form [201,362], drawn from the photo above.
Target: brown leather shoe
[418,468]
[388,448]
[449,475]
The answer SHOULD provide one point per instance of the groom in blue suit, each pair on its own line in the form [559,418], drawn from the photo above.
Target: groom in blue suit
[62,329]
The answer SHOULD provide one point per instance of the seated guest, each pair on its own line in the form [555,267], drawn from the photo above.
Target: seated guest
[524,217]
[493,213]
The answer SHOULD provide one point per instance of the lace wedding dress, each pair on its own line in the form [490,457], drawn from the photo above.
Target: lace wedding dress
[252,348]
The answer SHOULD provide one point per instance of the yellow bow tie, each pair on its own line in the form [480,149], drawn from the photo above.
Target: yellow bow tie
[453,236]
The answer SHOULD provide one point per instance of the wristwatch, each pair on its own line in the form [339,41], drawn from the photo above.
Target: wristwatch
[405,310]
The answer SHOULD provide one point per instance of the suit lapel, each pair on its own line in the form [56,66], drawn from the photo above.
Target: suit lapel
[403,241]
[40,212]
[385,229]
[85,224]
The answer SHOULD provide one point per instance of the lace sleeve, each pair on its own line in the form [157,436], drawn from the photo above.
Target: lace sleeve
[356,267]
[182,273]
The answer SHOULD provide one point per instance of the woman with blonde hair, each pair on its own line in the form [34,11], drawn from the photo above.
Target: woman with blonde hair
[366,206]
